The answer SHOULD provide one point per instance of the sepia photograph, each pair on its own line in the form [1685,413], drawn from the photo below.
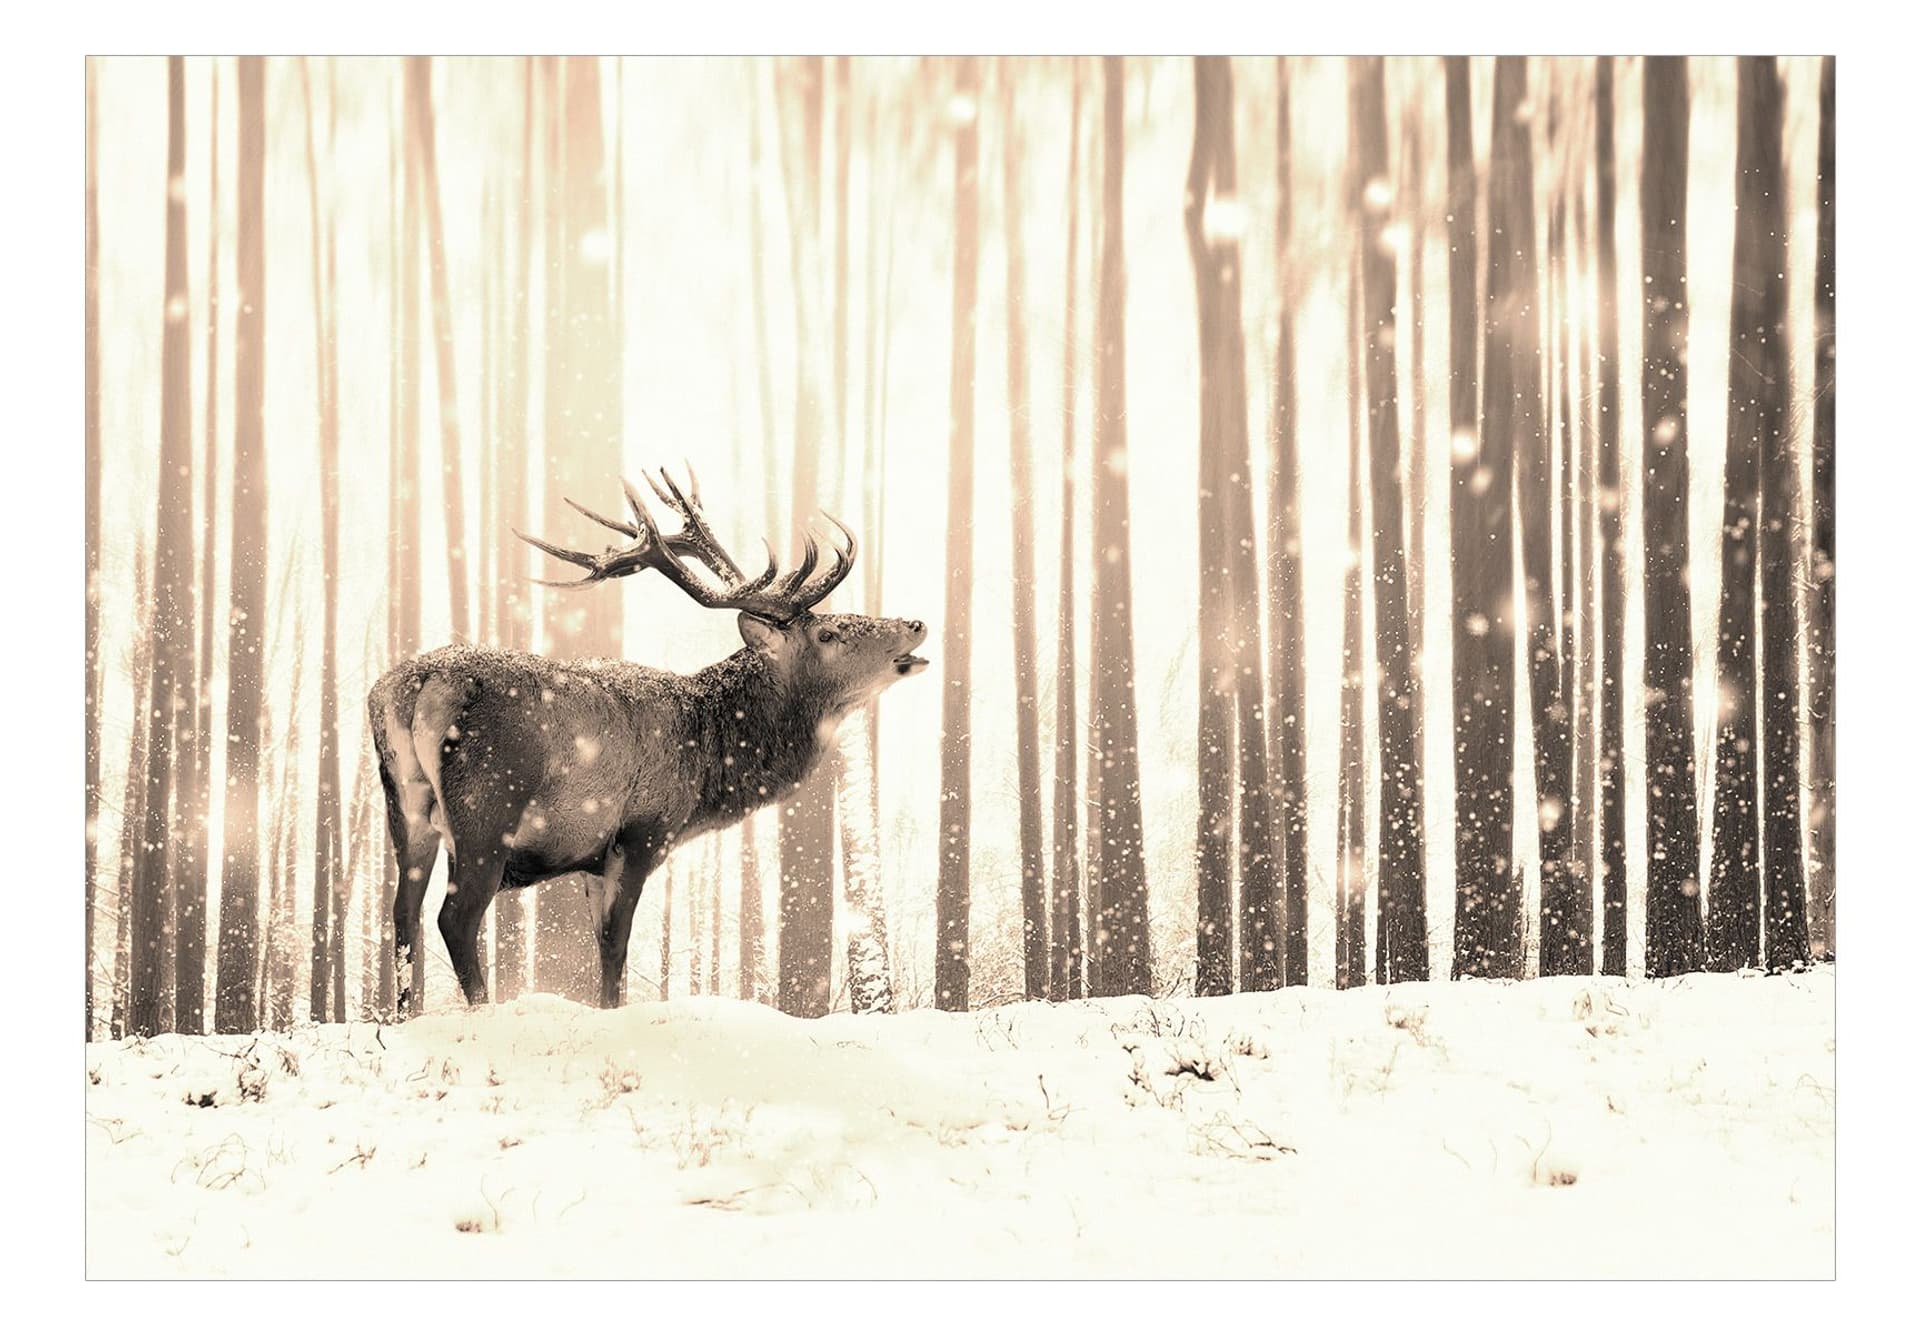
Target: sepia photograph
[959,666]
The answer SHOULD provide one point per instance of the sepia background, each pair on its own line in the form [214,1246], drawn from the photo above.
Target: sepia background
[1257,330]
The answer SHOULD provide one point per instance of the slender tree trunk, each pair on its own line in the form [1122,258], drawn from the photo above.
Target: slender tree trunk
[1069,972]
[1350,923]
[806,817]
[426,165]
[1759,389]
[584,434]
[1122,942]
[1820,618]
[1487,934]
[403,468]
[329,922]
[1402,925]
[1413,208]
[1026,668]
[1515,422]
[132,817]
[1286,633]
[1213,749]
[1613,578]
[1584,440]
[751,930]
[92,450]
[869,975]
[1673,831]
[666,927]
[173,623]
[514,613]
[196,841]
[954,890]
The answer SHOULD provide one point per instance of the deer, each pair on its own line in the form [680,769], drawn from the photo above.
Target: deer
[528,767]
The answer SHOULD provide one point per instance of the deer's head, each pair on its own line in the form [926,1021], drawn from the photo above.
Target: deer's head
[839,660]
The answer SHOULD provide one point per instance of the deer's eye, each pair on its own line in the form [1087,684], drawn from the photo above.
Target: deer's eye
[827,636]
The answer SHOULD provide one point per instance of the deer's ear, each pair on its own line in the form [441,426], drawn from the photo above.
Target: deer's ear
[761,636]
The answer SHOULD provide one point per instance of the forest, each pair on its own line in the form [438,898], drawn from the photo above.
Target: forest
[1472,615]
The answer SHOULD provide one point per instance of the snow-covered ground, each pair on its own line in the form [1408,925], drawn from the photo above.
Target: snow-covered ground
[1569,1126]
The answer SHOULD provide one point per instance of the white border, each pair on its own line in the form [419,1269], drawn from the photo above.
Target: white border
[42,760]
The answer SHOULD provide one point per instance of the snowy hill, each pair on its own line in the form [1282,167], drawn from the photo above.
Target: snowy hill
[1568,1126]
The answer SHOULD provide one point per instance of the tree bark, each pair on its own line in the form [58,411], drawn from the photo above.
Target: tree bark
[1069,970]
[1286,633]
[1350,902]
[1673,832]
[1402,930]
[173,589]
[584,433]
[1026,668]
[1487,935]
[1613,576]
[1758,392]
[954,891]
[329,924]
[132,817]
[1820,616]
[1515,403]
[1213,743]
[1121,942]
[92,502]
[806,817]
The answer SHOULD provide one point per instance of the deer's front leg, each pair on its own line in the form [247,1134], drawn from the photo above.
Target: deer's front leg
[637,851]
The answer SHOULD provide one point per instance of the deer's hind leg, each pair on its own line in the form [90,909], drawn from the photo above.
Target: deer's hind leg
[416,845]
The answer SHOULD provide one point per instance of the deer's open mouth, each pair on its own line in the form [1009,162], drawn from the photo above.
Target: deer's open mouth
[906,664]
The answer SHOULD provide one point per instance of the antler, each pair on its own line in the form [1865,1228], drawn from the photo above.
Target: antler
[770,595]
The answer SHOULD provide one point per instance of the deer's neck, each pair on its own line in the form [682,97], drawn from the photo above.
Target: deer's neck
[754,738]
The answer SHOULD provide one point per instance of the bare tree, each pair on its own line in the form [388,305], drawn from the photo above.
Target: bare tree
[1286,631]
[953,892]
[1350,898]
[132,817]
[583,442]
[329,885]
[1402,932]
[1069,971]
[1759,384]
[1514,401]
[1613,578]
[1487,939]
[1026,669]
[173,618]
[1673,832]
[806,818]
[1118,887]
[92,451]
[1820,622]
[1213,742]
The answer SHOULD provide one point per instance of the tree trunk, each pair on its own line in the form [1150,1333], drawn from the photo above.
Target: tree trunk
[1613,576]
[806,817]
[1069,971]
[132,817]
[1213,746]
[1515,422]
[426,166]
[752,932]
[1121,939]
[869,976]
[1487,935]
[1412,208]
[92,452]
[1758,394]
[1673,832]
[1286,632]
[173,589]
[954,890]
[1026,669]
[1820,620]
[751,929]
[1350,902]
[329,917]
[583,447]
[1402,928]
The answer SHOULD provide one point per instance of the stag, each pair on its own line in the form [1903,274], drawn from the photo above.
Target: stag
[528,768]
